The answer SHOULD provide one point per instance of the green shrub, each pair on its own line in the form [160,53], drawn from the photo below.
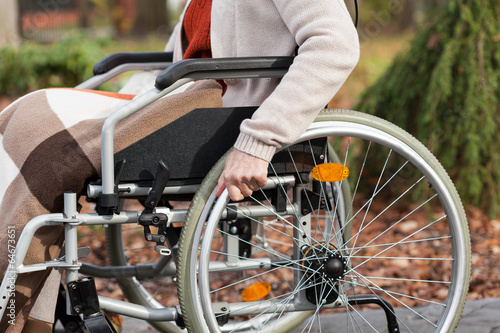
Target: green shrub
[445,90]
[34,66]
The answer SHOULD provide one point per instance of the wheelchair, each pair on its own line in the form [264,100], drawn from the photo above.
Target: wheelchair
[358,221]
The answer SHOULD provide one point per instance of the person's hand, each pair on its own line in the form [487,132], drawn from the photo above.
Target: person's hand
[243,174]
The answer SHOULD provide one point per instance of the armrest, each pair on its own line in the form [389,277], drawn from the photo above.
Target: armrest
[224,68]
[117,59]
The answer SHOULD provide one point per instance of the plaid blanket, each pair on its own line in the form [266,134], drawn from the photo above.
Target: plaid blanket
[49,144]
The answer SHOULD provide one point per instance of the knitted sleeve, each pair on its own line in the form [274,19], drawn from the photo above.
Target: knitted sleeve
[328,52]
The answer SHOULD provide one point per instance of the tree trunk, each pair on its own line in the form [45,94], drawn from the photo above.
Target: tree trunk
[9,23]
[151,17]
[139,17]
[83,13]
[124,16]
[407,18]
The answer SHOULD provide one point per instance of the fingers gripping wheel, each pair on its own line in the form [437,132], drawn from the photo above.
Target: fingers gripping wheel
[380,236]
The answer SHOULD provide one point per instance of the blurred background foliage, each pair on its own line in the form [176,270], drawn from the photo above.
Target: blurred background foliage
[33,66]
[430,66]
[93,29]
[445,91]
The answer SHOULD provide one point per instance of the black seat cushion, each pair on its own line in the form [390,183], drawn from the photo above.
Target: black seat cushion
[192,144]
[189,146]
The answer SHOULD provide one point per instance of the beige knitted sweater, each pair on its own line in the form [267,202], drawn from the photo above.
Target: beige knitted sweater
[328,52]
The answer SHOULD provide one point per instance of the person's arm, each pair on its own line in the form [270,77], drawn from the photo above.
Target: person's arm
[328,52]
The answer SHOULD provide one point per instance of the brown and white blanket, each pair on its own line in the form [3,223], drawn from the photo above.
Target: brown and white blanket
[49,144]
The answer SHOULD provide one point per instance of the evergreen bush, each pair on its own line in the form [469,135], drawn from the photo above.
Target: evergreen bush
[445,90]
[33,66]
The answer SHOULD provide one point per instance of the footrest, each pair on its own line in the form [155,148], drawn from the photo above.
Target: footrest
[99,324]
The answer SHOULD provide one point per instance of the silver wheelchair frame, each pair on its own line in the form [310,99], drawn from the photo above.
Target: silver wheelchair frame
[172,77]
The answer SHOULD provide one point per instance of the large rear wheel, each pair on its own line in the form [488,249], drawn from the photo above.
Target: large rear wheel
[290,252]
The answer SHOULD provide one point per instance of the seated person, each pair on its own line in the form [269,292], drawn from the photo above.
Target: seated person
[57,150]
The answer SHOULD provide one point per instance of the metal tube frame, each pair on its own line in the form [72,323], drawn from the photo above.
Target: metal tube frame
[107,153]
[97,80]
[71,220]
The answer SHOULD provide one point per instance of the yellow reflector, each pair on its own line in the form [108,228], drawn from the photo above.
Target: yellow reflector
[256,291]
[330,172]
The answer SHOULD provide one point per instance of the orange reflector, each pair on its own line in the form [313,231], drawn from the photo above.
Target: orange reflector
[330,172]
[256,291]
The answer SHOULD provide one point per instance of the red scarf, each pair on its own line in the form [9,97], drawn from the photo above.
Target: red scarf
[197,29]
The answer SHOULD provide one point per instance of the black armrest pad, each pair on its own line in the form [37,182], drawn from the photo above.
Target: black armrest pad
[117,59]
[212,68]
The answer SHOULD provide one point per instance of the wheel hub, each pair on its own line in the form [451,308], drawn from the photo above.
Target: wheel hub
[334,267]
[323,267]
